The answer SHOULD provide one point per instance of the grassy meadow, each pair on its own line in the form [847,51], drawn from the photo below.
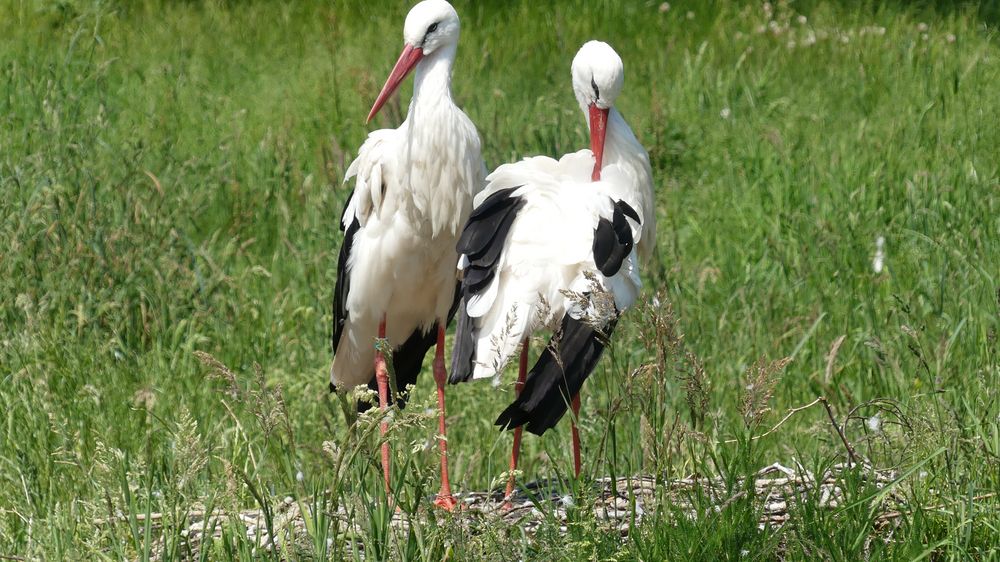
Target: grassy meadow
[828,181]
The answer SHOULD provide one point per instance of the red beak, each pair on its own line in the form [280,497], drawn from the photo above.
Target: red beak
[407,60]
[598,131]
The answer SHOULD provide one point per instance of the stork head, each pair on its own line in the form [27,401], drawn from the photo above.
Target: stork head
[430,25]
[598,76]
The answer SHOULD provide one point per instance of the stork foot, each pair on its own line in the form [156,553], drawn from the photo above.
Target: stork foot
[446,502]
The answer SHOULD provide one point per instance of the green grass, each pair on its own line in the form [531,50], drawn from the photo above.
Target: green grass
[171,179]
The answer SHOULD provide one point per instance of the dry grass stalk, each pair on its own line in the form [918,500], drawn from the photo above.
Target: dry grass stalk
[762,379]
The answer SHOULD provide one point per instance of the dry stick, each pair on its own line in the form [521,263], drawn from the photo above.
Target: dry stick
[896,513]
[727,503]
[840,432]
[829,412]
[790,413]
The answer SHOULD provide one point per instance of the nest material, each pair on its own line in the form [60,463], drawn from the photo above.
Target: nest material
[619,504]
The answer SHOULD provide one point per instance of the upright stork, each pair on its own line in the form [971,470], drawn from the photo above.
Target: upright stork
[553,244]
[413,191]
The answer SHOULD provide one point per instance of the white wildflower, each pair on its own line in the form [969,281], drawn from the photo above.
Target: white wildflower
[725,113]
[664,7]
[801,19]
[922,27]
[690,15]
[875,423]
[299,477]
[950,38]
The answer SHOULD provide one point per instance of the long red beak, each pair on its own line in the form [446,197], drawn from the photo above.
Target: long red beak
[598,131]
[407,60]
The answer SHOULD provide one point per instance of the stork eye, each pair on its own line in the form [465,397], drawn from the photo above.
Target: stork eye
[433,27]
[597,92]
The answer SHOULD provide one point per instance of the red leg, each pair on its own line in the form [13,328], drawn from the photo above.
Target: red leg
[382,378]
[522,373]
[444,498]
[576,436]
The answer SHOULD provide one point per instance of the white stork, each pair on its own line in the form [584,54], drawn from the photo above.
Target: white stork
[413,191]
[553,244]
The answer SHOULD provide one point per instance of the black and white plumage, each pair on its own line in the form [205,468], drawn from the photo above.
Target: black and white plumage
[555,245]
[413,191]
[554,251]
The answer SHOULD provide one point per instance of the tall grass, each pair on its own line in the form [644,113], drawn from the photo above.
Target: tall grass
[171,178]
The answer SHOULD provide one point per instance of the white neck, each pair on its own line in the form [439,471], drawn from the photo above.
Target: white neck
[623,150]
[621,147]
[439,159]
[432,78]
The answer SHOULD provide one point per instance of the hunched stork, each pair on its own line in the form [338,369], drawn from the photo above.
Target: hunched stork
[413,191]
[554,244]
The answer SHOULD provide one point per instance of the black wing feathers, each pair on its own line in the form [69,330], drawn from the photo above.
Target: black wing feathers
[555,380]
[486,225]
[343,287]
[628,210]
[464,348]
[613,239]
[482,242]
[408,359]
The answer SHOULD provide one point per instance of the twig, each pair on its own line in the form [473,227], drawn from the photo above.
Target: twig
[790,413]
[899,513]
[719,509]
[840,432]
[8,557]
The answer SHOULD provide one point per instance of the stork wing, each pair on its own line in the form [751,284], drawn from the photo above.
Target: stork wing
[373,169]
[343,287]
[529,248]
[481,245]
[577,346]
